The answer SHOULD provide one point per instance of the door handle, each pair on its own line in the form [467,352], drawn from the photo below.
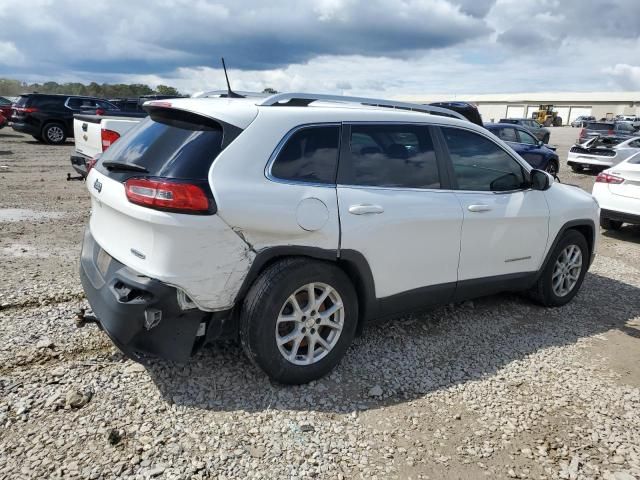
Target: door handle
[479,208]
[365,209]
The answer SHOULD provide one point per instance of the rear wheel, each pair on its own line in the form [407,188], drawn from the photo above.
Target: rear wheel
[298,320]
[54,134]
[609,224]
[564,273]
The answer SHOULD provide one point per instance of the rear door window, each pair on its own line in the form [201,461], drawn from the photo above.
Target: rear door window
[506,134]
[169,143]
[47,103]
[481,165]
[397,156]
[310,155]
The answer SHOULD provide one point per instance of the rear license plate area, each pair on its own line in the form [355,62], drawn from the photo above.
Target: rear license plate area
[103,261]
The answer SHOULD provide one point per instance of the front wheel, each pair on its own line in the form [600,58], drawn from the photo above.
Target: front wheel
[298,320]
[564,273]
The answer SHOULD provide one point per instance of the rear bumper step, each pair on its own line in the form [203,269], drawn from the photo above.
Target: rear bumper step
[141,315]
[79,163]
[620,216]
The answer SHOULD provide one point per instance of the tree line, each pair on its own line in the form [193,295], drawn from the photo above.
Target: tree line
[13,88]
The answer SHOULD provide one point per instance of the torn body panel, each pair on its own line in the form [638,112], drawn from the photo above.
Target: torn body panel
[200,255]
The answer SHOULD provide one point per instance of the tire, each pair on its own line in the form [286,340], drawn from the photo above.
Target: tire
[543,291]
[576,168]
[557,122]
[609,224]
[548,122]
[54,134]
[552,168]
[270,296]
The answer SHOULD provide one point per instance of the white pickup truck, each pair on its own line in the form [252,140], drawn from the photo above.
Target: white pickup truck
[95,133]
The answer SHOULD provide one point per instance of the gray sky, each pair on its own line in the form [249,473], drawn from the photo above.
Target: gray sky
[374,47]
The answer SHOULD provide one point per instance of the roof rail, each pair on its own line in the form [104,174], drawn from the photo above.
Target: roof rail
[304,99]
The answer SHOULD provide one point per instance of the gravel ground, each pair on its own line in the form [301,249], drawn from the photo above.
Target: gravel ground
[495,388]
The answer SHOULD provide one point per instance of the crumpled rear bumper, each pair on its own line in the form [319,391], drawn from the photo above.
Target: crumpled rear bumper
[141,315]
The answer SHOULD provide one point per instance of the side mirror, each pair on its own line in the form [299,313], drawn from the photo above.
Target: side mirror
[540,180]
[540,143]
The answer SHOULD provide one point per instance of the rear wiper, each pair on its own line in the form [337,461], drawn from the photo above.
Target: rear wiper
[110,165]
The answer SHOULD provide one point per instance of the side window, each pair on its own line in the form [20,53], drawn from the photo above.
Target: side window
[74,103]
[399,156]
[106,105]
[527,138]
[310,155]
[481,165]
[88,103]
[635,144]
[506,134]
[47,103]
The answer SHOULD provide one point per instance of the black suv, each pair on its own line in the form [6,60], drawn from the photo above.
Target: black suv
[49,118]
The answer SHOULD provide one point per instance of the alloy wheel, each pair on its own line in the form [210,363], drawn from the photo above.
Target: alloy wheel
[55,134]
[310,323]
[566,271]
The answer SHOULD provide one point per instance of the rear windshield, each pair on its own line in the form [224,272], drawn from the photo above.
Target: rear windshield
[169,143]
[600,127]
[22,101]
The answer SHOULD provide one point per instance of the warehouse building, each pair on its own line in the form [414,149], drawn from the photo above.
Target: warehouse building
[569,105]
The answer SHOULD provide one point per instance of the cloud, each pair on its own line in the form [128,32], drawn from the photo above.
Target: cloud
[627,76]
[359,47]
[121,35]
[10,55]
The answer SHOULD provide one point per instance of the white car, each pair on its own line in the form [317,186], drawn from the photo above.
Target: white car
[595,153]
[617,190]
[292,221]
[94,134]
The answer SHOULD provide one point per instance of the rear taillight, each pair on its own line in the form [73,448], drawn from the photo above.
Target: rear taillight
[99,111]
[26,109]
[607,178]
[167,195]
[90,164]
[108,137]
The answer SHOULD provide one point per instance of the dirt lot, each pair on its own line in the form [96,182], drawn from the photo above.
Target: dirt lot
[496,388]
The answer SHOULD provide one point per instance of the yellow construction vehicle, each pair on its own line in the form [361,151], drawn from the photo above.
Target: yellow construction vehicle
[547,116]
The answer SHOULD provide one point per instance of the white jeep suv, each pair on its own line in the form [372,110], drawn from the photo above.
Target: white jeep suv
[292,221]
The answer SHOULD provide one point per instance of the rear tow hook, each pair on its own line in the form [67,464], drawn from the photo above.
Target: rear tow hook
[82,319]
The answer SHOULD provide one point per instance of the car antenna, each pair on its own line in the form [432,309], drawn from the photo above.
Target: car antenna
[230,93]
